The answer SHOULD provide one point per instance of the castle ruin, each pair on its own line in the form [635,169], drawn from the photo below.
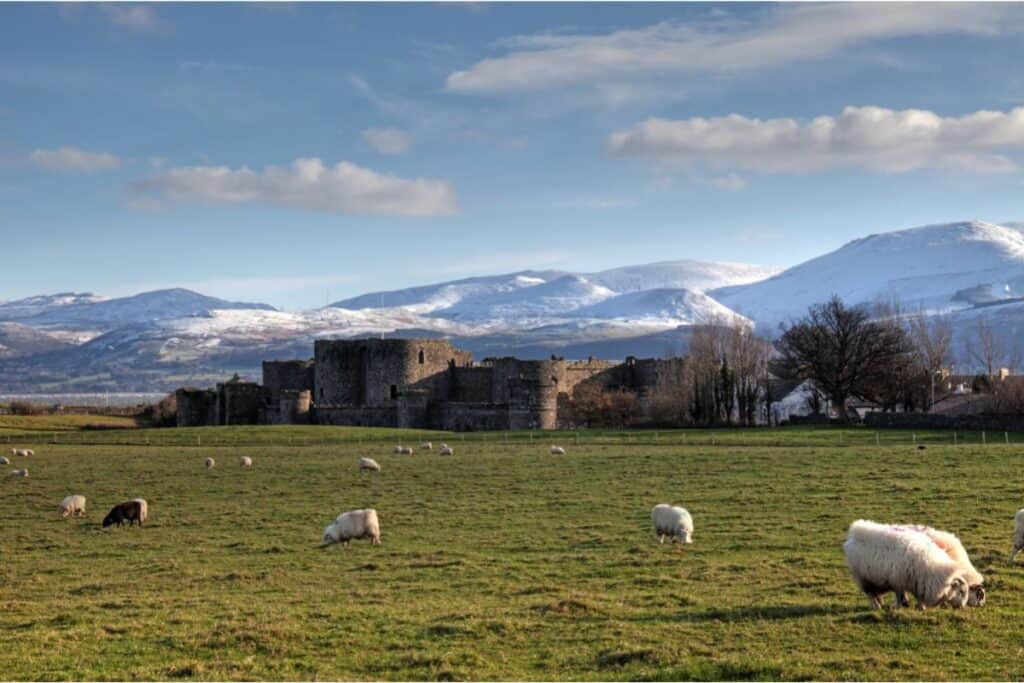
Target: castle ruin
[421,383]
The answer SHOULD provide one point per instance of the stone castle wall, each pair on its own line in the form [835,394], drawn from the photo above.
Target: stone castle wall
[426,383]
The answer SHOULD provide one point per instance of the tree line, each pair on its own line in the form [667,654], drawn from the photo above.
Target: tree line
[879,354]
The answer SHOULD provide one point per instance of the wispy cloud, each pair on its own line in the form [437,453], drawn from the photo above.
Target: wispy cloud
[305,183]
[73,159]
[731,182]
[872,138]
[782,36]
[388,140]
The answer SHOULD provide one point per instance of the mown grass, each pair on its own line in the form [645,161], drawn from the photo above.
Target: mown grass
[500,563]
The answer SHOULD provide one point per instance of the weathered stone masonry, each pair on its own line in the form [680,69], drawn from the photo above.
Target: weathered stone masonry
[425,383]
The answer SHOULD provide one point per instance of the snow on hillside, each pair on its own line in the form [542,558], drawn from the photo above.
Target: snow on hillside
[141,308]
[34,305]
[670,307]
[542,300]
[444,294]
[696,276]
[936,267]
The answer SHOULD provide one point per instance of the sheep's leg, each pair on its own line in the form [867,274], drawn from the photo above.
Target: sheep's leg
[1016,549]
[901,599]
[876,600]
[661,538]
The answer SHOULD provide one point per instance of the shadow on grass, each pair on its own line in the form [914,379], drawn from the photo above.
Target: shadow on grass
[766,612]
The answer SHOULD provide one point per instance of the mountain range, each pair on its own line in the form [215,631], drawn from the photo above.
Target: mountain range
[155,341]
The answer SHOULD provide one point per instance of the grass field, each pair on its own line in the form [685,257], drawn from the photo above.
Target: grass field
[500,563]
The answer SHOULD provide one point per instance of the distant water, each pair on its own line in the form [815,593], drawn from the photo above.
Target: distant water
[119,400]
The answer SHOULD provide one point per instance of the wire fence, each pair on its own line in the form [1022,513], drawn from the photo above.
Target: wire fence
[337,436]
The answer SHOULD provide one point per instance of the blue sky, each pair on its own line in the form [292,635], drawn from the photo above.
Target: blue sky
[300,153]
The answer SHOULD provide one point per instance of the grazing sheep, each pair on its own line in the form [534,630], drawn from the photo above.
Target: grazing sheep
[4,461]
[72,506]
[18,473]
[368,464]
[952,546]
[427,446]
[210,462]
[885,558]
[557,450]
[446,450]
[132,511]
[23,452]
[1018,534]
[353,524]
[403,450]
[673,522]
[246,462]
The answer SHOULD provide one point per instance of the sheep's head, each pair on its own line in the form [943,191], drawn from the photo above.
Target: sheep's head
[976,597]
[957,594]
[328,537]
[64,512]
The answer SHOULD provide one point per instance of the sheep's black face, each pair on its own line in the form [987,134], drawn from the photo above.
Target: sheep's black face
[976,597]
[108,520]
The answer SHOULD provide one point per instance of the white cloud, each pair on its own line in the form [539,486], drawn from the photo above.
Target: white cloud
[73,159]
[306,184]
[388,140]
[871,138]
[791,34]
[136,17]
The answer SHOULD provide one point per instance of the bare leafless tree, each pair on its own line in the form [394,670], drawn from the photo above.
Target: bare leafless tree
[932,337]
[841,348]
[988,350]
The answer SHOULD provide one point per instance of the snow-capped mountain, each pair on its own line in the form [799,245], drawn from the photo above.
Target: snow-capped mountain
[91,312]
[34,305]
[159,340]
[938,268]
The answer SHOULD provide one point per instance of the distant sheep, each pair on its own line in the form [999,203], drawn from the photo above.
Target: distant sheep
[132,511]
[210,463]
[446,450]
[952,546]
[246,462]
[557,450]
[72,506]
[1018,534]
[368,464]
[18,473]
[673,522]
[403,450]
[885,558]
[353,524]
[4,461]
[22,452]
[427,446]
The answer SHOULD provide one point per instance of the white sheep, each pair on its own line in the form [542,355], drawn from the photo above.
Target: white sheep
[427,446]
[672,521]
[368,464]
[23,452]
[4,461]
[952,546]
[446,450]
[246,462]
[18,473]
[72,506]
[1018,534]
[885,558]
[210,463]
[557,450]
[353,524]
[403,450]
